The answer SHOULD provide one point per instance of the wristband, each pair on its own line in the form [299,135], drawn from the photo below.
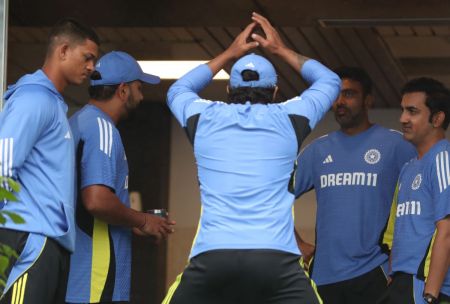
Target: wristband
[430,299]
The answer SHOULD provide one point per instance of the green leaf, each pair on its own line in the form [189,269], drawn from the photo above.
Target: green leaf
[4,262]
[8,251]
[2,219]
[15,186]
[5,194]
[17,219]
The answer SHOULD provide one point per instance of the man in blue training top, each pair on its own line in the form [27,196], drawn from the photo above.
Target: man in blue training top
[100,267]
[36,149]
[420,215]
[353,171]
[245,249]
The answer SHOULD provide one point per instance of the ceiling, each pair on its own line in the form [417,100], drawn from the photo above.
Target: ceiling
[393,40]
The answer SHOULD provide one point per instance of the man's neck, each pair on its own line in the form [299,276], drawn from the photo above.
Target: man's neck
[354,130]
[54,75]
[107,108]
[428,143]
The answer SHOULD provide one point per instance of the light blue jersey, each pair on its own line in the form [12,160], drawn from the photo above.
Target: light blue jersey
[100,267]
[245,155]
[423,199]
[354,178]
[36,149]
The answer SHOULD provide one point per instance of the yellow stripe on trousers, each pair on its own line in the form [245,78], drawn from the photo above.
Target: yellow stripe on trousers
[100,260]
[313,284]
[18,292]
[172,289]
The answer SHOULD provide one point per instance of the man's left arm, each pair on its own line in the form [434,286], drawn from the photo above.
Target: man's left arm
[440,258]
[182,97]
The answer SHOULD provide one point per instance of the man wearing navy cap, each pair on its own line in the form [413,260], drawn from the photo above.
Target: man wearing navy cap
[101,264]
[245,249]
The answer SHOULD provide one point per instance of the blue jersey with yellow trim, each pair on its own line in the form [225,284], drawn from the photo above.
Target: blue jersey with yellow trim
[423,199]
[245,155]
[101,264]
[354,178]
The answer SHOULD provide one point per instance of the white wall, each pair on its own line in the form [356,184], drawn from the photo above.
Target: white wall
[184,202]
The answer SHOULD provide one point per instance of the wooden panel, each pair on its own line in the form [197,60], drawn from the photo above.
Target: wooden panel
[300,43]
[403,30]
[339,46]
[422,30]
[384,60]
[323,48]
[418,47]
[164,34]
[386,30]
[384,93]
[129,34]
[181,34]
[441,30]
[207,42]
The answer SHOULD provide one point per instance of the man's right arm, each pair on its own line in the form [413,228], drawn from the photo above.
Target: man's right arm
[102,203]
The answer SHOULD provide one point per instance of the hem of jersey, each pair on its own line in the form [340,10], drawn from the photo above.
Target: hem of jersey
[82,301]
[354,274]
[289,249]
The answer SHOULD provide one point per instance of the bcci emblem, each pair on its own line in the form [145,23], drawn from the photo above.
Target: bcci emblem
[416,182]
[372,156]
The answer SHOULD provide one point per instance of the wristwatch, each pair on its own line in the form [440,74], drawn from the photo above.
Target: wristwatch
[430,299]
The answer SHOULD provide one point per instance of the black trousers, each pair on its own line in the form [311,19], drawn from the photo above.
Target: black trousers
[366,289]
[45,278]
[243,276]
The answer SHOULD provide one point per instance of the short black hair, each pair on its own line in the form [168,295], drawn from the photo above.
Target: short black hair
[251,94]
[76,31]
[102,92]
[356,74]
[437,96]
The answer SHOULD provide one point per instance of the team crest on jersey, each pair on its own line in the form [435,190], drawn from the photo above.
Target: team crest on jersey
[372,156]
[416,182]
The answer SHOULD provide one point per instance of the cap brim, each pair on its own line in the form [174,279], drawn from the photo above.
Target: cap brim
[151,79]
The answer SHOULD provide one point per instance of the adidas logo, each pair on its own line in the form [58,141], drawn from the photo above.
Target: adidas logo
[328,159]
[250,65]
[67,136]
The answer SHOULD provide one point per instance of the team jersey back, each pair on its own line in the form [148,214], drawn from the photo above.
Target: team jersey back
[423,199]
[101,264]
[354,178]
[245,156]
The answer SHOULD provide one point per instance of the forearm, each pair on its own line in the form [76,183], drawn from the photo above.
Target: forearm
[295,60]
[106,206]
[221,61]
[440,260]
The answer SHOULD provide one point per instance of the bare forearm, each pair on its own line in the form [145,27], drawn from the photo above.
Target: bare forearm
[440,260]
[295,60]
[220,62]
[106,206]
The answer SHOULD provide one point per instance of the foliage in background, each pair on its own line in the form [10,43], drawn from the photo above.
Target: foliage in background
[7,189]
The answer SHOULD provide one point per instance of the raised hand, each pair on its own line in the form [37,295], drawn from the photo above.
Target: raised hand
[240,46]
[272,42]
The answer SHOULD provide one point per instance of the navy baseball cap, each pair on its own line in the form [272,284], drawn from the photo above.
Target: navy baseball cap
[259,64]
[119,67]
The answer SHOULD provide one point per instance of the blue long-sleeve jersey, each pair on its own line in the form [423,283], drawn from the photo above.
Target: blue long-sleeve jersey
[245,155]
[36,149]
